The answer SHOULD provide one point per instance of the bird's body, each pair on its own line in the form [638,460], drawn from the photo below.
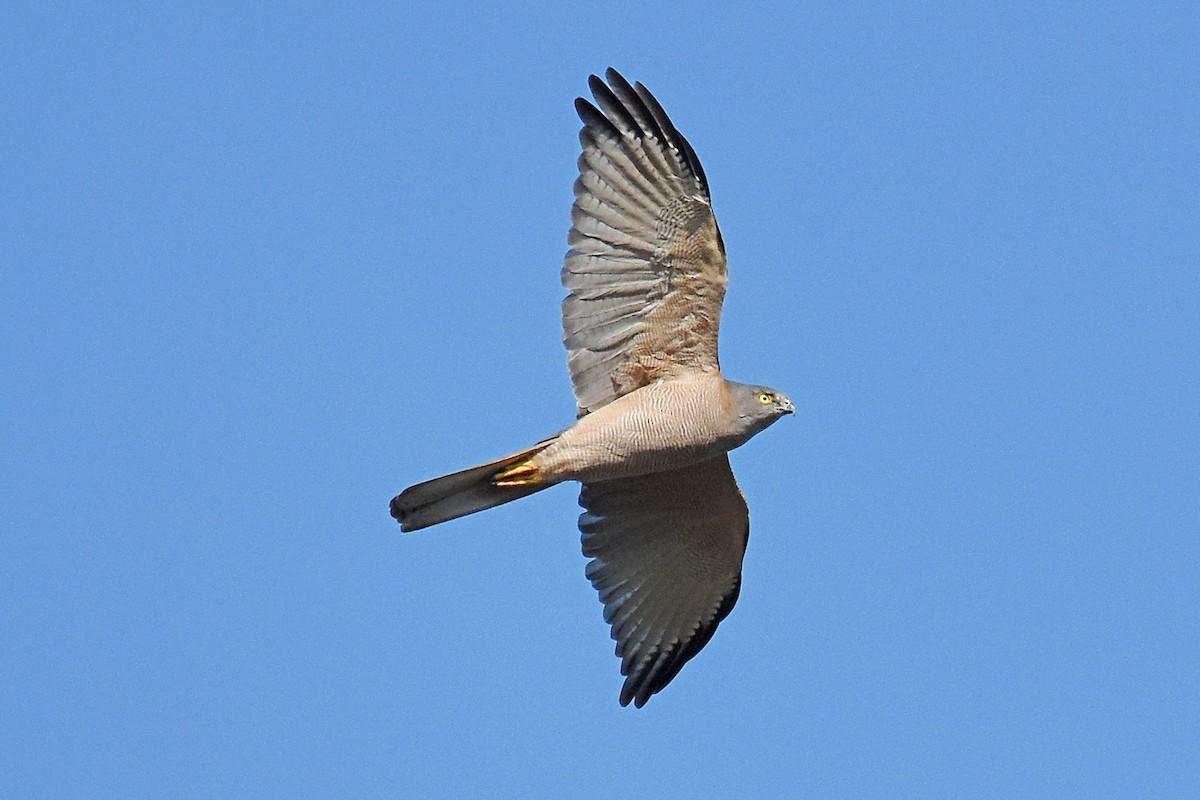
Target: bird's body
[664,524]
[664,426]
[668,424]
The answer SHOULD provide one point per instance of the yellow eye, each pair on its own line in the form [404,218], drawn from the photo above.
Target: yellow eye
[765,398]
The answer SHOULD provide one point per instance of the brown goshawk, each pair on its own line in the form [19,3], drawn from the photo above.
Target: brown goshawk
[664,523]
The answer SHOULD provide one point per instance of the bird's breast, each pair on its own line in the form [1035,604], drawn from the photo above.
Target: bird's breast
[663,426]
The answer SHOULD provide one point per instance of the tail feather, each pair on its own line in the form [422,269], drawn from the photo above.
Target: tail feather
[461,493]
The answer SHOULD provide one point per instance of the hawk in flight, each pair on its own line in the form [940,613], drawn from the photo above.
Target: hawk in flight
[664,523]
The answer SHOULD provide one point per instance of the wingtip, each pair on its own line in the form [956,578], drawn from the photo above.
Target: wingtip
[596,83]
[637,692]
[638,699]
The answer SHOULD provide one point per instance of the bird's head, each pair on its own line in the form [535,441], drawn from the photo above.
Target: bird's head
[759,406]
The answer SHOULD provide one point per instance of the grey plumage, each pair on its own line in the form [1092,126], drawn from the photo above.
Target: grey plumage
[461,493]
[670,540]
[665,525]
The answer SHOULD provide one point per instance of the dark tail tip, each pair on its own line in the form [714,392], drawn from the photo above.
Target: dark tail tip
[399,512]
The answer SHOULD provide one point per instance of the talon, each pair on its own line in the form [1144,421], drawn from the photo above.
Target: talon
[521,474]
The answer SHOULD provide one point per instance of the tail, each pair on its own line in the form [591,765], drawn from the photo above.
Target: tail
[475,489]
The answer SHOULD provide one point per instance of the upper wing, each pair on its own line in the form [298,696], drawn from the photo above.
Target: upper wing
[646,269]
[666,552]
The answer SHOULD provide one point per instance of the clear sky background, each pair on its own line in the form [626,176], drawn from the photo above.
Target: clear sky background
[264,267]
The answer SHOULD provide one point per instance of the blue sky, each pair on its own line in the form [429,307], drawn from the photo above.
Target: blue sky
[263,268]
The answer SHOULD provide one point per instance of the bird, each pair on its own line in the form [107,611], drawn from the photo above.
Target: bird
[664,524]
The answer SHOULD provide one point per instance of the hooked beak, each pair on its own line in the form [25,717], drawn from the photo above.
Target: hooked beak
[787,407]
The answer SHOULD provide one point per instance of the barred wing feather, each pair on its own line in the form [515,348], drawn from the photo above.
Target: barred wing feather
[666,557]
[646,271]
